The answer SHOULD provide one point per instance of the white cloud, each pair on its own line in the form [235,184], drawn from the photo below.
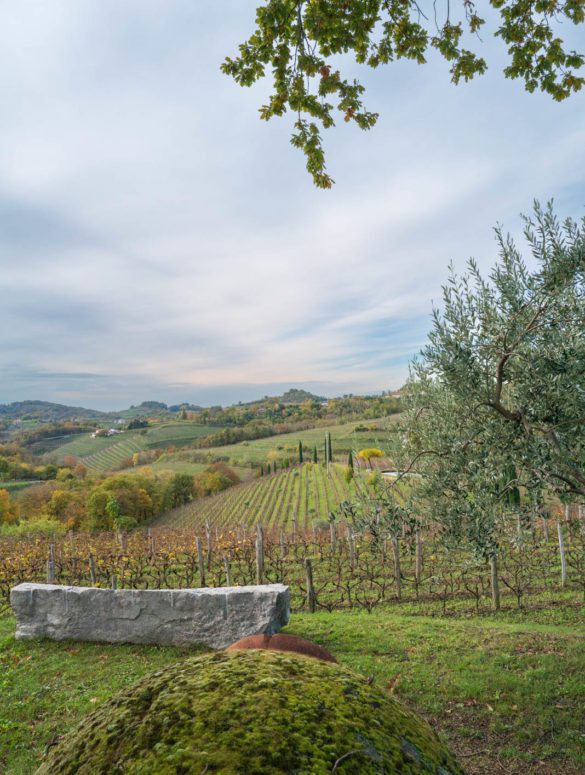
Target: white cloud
[172,238]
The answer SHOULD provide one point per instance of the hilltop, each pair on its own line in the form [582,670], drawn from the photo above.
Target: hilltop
[47,411]
[291,396]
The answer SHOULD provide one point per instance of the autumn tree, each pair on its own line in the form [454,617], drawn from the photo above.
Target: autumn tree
[8,510]
[369,453]
[296,42]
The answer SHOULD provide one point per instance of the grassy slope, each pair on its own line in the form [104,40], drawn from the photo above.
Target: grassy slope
[343,438]
[17,486]
[101,454]
[506,690]
[185,467]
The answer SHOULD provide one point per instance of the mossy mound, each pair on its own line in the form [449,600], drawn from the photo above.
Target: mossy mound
[251,712]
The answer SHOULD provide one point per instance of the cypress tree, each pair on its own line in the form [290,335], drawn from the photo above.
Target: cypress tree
[328,447]
[315,457]
[300,451]
[350,460]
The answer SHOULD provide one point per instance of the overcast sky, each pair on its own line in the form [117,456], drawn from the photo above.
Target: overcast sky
[158,241]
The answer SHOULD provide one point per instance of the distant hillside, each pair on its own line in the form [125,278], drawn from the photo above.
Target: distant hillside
[291,396]
[297,396]
[48,412]
[156,409]
[109,453]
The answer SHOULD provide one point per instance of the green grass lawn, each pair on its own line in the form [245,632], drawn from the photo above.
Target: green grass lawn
[505,690]
[15,487]
[343,438]
[186,467]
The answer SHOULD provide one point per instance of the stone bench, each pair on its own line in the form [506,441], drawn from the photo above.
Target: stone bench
[214,617]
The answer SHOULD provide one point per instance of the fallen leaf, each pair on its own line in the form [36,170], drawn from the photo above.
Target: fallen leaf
[393,683]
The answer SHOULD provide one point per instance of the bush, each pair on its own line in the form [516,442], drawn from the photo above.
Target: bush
[44,526]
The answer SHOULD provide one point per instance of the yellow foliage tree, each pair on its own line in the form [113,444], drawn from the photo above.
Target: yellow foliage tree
[8,511]
[369,453]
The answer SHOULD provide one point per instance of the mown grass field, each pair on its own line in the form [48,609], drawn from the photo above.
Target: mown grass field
[310,491]
[185,467]
[343,438]
[15,487]
[104,454]
[505,690]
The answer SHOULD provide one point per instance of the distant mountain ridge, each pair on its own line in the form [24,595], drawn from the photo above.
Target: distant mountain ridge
[291,396]
[49,411]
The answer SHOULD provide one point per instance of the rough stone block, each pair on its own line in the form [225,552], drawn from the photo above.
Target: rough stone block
[214,617]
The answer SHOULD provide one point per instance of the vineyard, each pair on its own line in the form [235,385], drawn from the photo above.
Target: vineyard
[304,494]
[105,454]
[327,569]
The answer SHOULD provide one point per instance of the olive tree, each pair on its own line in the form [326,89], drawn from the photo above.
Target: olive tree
[496,399]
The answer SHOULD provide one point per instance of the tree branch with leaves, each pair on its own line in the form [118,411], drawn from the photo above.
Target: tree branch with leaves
[296,43]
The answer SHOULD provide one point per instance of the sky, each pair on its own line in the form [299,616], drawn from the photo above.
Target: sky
[159,242]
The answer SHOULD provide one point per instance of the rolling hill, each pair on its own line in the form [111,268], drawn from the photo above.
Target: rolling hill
[309,491]
[354,436]
[105,454]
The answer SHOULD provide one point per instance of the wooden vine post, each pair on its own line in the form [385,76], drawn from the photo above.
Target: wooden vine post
[311,598]
[201,561]
[351,545]
[419,556]
[397,568]
[51,564]
[259,554]
[494,582]
[228,571]
[209,544]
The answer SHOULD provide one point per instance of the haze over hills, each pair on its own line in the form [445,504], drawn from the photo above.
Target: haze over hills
[47,411]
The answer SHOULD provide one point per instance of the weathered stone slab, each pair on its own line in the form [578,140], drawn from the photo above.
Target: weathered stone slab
[215,617]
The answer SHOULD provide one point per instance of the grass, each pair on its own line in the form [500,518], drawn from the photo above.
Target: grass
[506,690]
[104,454]
[18,486]
[343,438]
[186,467]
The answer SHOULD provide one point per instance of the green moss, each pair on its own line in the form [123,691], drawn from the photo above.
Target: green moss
[251,712]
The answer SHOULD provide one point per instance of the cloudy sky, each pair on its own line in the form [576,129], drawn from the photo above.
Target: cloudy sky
[157,241]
